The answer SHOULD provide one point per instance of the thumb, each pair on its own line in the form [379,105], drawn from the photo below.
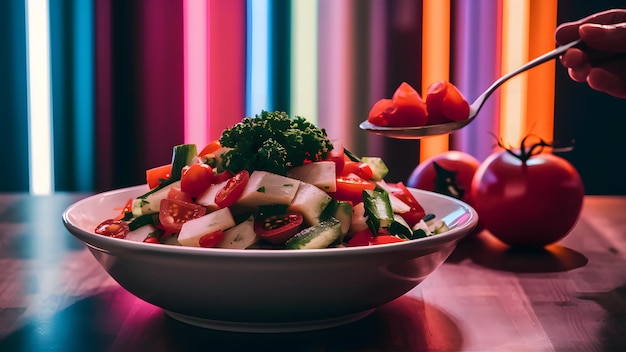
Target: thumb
[606,37]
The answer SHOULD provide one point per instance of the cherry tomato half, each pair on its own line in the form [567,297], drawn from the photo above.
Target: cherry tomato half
[196,179]
[113,228]
[233,189]
[278,228]
[174,213]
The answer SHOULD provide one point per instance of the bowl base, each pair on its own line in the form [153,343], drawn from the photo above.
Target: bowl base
[282,327]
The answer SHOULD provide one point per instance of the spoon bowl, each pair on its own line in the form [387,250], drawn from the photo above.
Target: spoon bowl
[418,132]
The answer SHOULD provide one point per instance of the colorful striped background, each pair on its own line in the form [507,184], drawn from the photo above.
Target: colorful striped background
[99,91]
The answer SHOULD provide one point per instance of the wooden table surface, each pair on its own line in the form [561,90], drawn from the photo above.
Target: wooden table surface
[569,297]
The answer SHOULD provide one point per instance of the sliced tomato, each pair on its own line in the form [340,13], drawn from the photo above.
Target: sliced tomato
[278,228]
[210,148]
[174,213]
[156,175]
[233,189]
[222,176]
[178,194]
[196,179]
[211,239]
[406,108]
[417,212]
[445,103]
[112,228]
[350,188]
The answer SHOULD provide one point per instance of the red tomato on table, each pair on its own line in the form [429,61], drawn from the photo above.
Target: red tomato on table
[448,173]
[405,109]
[527,199]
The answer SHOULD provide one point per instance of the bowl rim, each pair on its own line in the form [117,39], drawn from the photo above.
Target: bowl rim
[110,244]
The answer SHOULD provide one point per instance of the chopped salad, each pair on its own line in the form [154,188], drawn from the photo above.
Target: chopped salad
[272,181]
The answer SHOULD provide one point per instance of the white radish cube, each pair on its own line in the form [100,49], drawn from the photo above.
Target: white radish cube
[320,174]
[310,201]
[207,199]
[266,188]
[194,229]
[241,236]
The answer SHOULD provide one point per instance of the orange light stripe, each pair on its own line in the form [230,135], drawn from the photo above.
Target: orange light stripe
[513,108]
[540,119]
[435,61]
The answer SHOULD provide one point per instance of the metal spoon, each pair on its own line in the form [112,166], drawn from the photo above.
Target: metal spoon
[445,128]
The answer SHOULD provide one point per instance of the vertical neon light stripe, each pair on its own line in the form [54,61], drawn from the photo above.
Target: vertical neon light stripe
[258,89]
[227,64]
[84,94]
[335,70]
[435,61]
[540,119]
[378,61]
[304,67]
[476,61]
[515,18]
[39,98]
[195,72]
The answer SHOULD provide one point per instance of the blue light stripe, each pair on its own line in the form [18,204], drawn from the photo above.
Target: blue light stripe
[258,69]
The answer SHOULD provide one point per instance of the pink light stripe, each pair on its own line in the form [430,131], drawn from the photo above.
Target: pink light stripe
[378,62]
[195,51]
[227,64]
[335,61]
[477,65]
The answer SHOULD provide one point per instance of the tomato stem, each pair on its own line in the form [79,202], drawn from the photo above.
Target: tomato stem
[526,153]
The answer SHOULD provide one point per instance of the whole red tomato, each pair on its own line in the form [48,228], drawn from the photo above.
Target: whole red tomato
[448,173]
[527,198]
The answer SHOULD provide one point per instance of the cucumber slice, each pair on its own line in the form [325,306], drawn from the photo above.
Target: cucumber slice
[316,237]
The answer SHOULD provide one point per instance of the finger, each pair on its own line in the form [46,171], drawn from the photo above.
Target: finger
[604,81]
[566,32]
[579,74]
[574,58]
[609,37]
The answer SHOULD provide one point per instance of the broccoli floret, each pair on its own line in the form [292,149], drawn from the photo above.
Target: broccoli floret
[274,142]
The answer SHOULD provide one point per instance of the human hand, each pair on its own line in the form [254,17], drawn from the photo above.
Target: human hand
[601,63]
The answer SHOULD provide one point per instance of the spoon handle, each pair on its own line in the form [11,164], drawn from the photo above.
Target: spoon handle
[477,104]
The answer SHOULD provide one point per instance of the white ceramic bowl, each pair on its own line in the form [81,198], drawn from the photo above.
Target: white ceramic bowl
[267,290]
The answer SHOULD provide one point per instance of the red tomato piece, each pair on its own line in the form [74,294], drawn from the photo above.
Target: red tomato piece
[233,189]
[196,179]
[384,239]
[178,194]
[278,229]
[445,103]
[156,175]
[417,212]
[380,112]
[210,148]
[112,228]
[350,188]
[406,108]
[434,101]
[361,238]
[455,107]
[211,239]
[337,156]
[174,213]
[128,207]
[362,170]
